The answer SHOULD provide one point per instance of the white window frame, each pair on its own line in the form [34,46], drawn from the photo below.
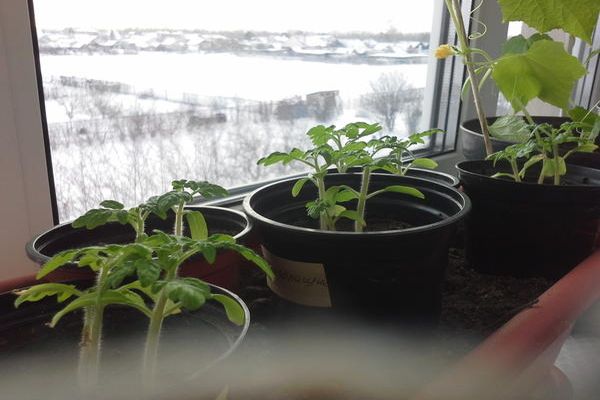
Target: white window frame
[26,206]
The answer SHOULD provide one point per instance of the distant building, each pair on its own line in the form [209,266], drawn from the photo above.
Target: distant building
[325,105]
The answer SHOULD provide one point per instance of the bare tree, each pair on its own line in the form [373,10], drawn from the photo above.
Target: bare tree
[387,97]
[413,110]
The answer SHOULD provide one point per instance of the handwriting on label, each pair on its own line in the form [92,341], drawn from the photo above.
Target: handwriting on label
[299,282]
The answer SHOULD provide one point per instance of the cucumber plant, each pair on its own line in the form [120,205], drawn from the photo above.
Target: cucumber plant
[354,145]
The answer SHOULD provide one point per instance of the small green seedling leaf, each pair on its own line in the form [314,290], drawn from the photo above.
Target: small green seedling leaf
[197,225]
[510,128]
[424,163]
[57,261]
[112,204]
[354,216]
[85,300]
[190,292]
[298,186]
[405,190]
[38,292]
[234,311]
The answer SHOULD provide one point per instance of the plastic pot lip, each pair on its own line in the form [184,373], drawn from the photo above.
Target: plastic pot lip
[244,329]
[35,255]
[464,170]
[461,199]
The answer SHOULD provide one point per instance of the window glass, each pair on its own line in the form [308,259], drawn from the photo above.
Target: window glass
[141,92]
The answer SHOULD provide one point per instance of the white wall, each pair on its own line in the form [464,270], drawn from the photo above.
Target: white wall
[25,207]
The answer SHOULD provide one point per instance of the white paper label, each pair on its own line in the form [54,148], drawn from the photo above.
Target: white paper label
[299,282]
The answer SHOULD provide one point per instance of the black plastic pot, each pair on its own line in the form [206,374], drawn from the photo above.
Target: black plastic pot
[526,229]
[473,147]
[393,274]
[40,362]
[219,220]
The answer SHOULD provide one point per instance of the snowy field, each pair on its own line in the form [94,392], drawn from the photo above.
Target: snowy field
[128,146]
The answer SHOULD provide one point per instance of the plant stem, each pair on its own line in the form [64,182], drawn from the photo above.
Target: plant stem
[541,176]
[150,359]
[179,220]
[91,337]
[362,198]
[556,169]
[323,222]
[453,7]
[515,170]
[140,227]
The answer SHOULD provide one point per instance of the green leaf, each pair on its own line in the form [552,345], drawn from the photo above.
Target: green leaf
[205,189]
[197,225]
[577,17]
[112,204]
[38,292]
[190,292]
[515,45]
[209,252]
[424,163]
[320,135]
[251,256]
[587,148]
[529,163]
[346,195]
[117,274]
[353,215]
[57,261]
[85,300]
[405,190]
[298,186]
[519,44]
[148,271]
[94,218]
[125,297]
[546,71]
[234,311]
[510,128]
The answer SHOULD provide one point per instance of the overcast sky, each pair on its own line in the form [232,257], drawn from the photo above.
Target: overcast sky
[269,15]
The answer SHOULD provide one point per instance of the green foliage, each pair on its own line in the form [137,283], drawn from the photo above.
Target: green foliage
[197,225]
[543,146]
[354,145]
[143,274]
[575,17]
[510,128]
[545,71]
[189,293]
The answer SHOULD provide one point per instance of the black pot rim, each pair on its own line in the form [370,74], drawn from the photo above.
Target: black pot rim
[36,256]
[464,209]
[463,168]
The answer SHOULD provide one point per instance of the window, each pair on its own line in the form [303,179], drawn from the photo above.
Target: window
[204,89]
[28,206]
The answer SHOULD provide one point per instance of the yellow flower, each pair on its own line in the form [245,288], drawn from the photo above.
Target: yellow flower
[444,51]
